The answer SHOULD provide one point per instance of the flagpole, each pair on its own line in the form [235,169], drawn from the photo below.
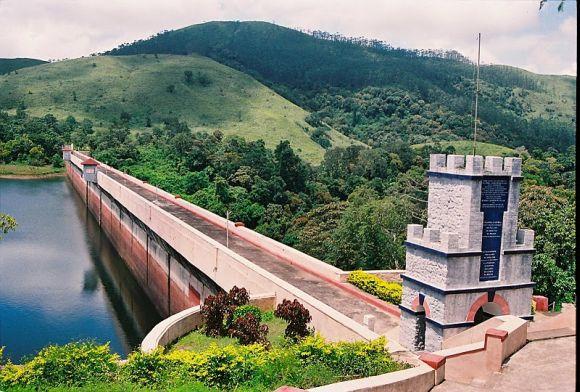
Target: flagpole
[476,93]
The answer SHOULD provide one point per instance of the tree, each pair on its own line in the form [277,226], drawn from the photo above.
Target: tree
[370,235]
[560,5]
[7,223]
[290,167]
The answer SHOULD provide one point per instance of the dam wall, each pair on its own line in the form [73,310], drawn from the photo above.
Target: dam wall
[171,283]
[179,265]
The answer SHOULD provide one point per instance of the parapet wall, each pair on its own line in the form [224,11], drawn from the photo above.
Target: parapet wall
[475,165]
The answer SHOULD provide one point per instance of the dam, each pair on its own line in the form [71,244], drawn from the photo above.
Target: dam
[181,253]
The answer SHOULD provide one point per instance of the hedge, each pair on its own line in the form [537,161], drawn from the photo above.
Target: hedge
[387,291]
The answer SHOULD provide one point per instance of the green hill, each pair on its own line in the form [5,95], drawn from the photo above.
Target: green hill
[9,65]
[330,74]
[214,97]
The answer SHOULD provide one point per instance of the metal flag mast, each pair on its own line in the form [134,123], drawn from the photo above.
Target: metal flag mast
[476,93]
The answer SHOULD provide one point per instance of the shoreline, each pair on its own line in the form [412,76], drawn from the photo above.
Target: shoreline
[31,176]
[27,172]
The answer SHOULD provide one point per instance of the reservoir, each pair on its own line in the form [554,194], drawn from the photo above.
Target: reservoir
[61,279]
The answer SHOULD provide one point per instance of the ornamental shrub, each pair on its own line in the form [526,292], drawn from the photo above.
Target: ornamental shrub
[213,312]
[348,358]
[387,291]
[247,330]
[297,317]
[147,369]
[218,310]
[70,365]
[225,366]
[241,311]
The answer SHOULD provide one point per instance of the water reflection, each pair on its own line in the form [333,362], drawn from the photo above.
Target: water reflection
[60,277]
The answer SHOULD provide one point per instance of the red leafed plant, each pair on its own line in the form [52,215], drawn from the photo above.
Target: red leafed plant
[217,310]
[247,329]
[297,317]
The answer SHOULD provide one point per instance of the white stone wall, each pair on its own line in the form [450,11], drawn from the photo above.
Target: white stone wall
[426,267]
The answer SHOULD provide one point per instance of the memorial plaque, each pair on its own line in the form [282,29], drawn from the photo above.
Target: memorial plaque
[494,201]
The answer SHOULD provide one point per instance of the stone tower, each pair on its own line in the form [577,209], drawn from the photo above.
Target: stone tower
[471,261]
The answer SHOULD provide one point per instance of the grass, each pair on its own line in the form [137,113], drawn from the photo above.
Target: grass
[101,88]
[28,170]
[465,147]
[198,341]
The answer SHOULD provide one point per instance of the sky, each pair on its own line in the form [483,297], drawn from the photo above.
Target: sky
[514,32]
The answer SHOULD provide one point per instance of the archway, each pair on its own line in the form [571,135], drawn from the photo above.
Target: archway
[486,306]
[487,311]
[420,328]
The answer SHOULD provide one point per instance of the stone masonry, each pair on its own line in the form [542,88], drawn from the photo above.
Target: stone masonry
[471,255]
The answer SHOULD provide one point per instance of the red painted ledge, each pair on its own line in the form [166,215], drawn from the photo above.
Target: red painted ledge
[497,333]
[433,360]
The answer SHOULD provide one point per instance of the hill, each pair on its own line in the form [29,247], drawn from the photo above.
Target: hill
[149,89]
[328,74]
[9,65]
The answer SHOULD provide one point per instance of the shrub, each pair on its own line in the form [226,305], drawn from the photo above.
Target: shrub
[218,311]
[297,317]
[74,364]
[247,330]
[225,366]
[348,358]
[147,369]
[213,312]
[387,291]
[241,311]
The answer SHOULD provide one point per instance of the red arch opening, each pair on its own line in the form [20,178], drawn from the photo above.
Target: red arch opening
[479,302]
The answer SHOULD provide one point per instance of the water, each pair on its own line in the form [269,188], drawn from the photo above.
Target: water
[61,279]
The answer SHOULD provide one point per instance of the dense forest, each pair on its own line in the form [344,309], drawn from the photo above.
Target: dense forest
[355,85]
[351,210]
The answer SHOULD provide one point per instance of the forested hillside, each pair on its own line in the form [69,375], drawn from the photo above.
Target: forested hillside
[10,65]
[146,91]
[376,93]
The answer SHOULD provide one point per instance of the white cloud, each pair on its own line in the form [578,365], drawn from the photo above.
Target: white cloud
[514,32]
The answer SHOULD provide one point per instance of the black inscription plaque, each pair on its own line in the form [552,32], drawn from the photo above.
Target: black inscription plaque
[494,201]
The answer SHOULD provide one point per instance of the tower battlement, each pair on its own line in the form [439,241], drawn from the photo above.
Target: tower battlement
[475,165]
[441,240]
[470,252]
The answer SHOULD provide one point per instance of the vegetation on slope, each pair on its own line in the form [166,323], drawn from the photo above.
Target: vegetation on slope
[11,65]
[328,74]
[350,211]
[145,91]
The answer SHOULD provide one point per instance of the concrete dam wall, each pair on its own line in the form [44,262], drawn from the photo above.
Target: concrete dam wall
[171,283]
[179,254]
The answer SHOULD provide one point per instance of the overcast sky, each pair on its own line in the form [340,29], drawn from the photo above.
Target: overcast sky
[514,32]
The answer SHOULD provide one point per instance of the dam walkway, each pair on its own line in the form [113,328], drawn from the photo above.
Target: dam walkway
[337,295]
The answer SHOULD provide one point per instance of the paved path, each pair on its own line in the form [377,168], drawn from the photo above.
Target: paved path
[541,366]
[326,292]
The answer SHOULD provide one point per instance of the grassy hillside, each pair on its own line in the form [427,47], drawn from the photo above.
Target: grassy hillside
[9,65]
[330,74]
[465,147]
[155,87]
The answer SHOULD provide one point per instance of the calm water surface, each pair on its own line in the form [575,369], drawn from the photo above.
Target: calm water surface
[60,278]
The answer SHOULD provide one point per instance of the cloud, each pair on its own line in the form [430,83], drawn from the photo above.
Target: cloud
[514,32]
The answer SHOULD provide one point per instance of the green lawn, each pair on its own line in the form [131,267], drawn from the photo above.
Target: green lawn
[198,341]
[28,171]
[465,147]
